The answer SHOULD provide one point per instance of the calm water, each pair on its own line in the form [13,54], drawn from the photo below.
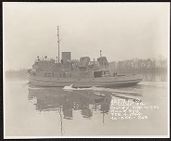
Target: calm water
[138,110]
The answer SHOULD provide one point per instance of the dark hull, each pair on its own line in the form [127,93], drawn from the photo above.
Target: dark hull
[120,81]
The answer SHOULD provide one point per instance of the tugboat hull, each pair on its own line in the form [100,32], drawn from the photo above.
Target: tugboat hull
[118,81]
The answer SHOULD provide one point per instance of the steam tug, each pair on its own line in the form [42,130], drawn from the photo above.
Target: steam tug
[80,73]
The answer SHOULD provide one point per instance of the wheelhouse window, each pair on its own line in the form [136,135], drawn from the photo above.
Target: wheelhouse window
[98,74]
[101,73]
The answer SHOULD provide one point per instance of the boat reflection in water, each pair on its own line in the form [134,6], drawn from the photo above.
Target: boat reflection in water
[65,102]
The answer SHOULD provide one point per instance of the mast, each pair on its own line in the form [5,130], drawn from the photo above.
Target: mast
[58,41]
[100,53]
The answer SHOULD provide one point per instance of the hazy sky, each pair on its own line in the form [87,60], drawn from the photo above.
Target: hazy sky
[120,30]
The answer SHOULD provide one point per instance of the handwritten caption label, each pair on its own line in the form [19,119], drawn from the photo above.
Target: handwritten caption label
[122,109]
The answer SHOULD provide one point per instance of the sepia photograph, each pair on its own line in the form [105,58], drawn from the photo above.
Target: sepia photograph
[86,70]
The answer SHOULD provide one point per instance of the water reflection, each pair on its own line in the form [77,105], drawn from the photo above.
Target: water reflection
[53,99]
[66,102]
[162,76]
